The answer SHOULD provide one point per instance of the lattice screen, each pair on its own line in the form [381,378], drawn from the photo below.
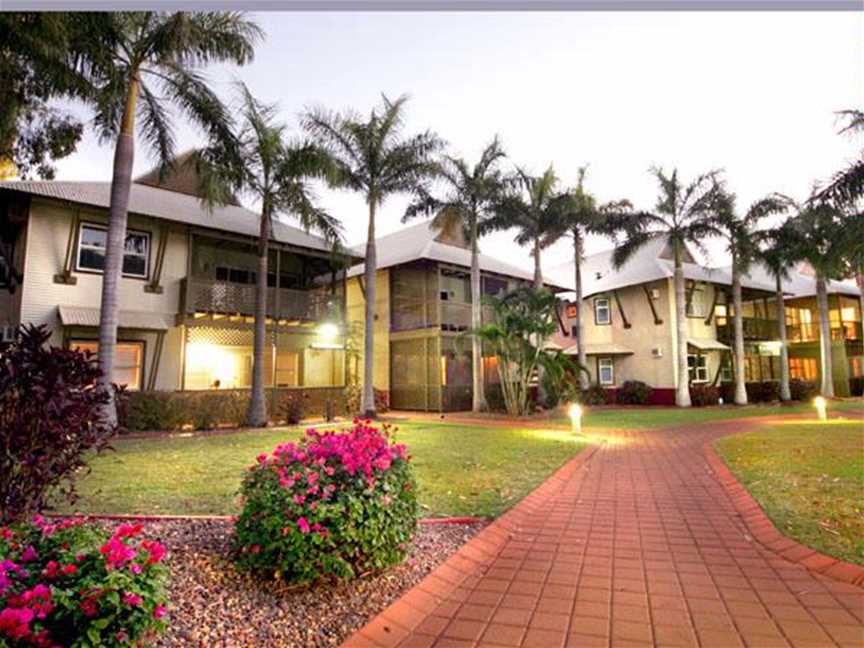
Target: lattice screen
[221,336]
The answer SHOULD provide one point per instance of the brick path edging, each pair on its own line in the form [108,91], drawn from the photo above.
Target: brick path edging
[403,615]
[766,534]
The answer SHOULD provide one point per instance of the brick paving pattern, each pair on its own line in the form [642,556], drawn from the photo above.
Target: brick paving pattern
[633,543]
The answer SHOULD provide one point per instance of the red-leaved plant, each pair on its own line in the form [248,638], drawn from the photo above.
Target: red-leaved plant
[335,504]
[50,420]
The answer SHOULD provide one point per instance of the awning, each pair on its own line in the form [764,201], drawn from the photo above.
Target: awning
[552,346]
[601,348]
[707,345]
[82,316]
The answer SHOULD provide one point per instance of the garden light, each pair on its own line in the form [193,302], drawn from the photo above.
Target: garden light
[575,418]
[819,404]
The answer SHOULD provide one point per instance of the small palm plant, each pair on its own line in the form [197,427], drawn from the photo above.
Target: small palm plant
[260,164]
[738,232]
[374,157]
[580,215]
[139,64]
[683,215]
[471,194]
[778,252]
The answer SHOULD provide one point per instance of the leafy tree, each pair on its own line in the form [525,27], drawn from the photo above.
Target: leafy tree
[142,64]
[261,165]
[737,230]
[821,230]
[778,250]
[37,64]
[374,157]
[684,214]
[533,210]
[521,319]
[579,215]
[471,194]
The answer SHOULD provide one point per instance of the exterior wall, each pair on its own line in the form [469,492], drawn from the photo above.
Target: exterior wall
[355,313]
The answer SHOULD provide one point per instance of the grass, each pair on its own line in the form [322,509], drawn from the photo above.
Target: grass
[657,417]
[809,478]
[461,470]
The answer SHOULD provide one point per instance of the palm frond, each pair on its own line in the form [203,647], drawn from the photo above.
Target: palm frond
[157,129]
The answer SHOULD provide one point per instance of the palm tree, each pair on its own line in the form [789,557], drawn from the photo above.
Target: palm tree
[683,215]
[143,64]
[471,193]
[778,252]
[374,157]
[261,165]
[822,242]
[738,232]
[579,216]
[533,210]
[847,186]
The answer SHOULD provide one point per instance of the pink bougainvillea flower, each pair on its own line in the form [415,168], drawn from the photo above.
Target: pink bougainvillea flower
[130,598]
[155,549]
[159,612]
[303,525]
[29,554]
[15,622]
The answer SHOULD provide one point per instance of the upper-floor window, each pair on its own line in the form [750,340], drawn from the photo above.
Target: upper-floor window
[571,311]
[605,371]
[92,241]
[494,286]
[696,304]
[697,368]
[602,312]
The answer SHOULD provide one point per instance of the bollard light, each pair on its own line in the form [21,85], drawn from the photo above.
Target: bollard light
[820,404]
[575,418]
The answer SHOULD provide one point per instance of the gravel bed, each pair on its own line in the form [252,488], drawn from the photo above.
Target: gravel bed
[212,604]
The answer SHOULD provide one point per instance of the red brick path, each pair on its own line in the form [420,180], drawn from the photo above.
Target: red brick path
[636,543]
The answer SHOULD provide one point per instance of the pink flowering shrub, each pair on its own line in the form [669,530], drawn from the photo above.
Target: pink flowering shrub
[335,504]
[73,584]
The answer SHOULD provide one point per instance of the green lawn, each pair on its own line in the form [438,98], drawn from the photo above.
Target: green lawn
[809,478]
[655,417]
[462,470]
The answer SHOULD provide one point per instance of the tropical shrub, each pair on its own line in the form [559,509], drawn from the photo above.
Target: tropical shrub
[334,504]
[856,386]
[594,395]
[765,391]
[51,420]
[292,408]
[702,395]
[634,392]
[74,584]
[802,390]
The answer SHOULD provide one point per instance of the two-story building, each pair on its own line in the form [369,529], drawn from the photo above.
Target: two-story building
[187,293]
[422,311]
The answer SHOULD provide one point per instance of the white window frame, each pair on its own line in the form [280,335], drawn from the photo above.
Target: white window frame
[597,309]
[103,228]
[690,305]
[606,363]
[694,371]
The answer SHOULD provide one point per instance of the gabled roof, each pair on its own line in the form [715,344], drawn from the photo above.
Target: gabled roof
[801,282]
[420,241]
[167,205]
[652,262]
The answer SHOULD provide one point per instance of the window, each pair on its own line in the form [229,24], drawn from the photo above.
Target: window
[91,250]
[571,310]
[697,368]
[726,372]
[236,275]
[856,367]
[128,361]
[696,305]
[602,314]
[803,368]
[605,371]
[573,331]
[494,286]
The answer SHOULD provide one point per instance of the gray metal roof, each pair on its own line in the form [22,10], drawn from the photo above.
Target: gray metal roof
[419,242]
[168,205]
[801,282]
[84,316]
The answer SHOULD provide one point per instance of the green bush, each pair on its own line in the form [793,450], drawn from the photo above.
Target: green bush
[594,395]
[802,390]
[856,386]
[76,585]
[292,408]
[702,395]
[336,504]
[634,392]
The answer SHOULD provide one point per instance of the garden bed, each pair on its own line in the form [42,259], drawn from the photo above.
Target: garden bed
[214,604]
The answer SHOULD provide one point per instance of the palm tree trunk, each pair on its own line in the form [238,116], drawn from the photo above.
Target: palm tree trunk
[738,322]
[538,273]
[825,337]
[785,392]
[367,403]
[682,388]
[478,396]
[859,279]
[118,211]
[256,415]
[580,332]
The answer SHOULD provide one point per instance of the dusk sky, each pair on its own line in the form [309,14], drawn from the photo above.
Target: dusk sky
[752,93]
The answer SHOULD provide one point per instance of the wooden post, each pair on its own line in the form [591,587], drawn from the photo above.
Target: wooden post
[65,276]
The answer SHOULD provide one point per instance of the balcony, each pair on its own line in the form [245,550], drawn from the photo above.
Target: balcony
[210,296]
[755,329]
[456,316]
[840,332]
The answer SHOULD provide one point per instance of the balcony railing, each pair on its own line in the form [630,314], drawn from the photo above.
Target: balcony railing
[809,332]
[755,329]
[456,316]
[224,297]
